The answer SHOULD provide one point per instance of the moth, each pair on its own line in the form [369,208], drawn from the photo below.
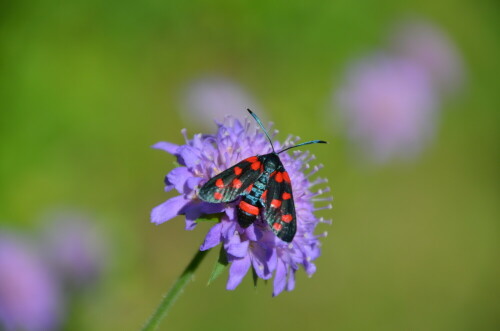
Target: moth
[264,187]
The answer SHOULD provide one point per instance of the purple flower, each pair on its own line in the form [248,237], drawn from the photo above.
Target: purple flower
[213,97]
[29,294]
[432,49]
[75,249]
[388,106]
[203,157]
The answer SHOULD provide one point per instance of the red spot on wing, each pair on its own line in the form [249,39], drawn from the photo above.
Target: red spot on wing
[245,206]
[217,196]
[249,188]
[277,226]
[264,195]
[286,196]
[237,171]
[252,159]
[255,165]
[236,183]
[286,177]
[219,183]
[286,218]
[278,177]
[276,203]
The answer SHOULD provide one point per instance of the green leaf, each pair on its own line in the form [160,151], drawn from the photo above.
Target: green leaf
[176,164]
[210,217]
[219,266]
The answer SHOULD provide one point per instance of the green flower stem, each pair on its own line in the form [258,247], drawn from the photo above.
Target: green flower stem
[172,295]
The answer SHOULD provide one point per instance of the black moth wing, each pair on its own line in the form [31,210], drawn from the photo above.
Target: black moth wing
[279,205]
[232,182]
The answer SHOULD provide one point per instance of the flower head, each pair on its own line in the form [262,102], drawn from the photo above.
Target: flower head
[75,249]
[29,293]
[204,156]
[389,106]
[212,97]
[430,47]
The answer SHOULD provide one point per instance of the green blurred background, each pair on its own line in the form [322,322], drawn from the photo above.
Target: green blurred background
[87,86]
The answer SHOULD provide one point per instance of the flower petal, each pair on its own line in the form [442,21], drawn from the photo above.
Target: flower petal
[272,259]
[211,208]
[167,147]
[196,208]
[231,212]
[252,233]
[310,268]
[237,248]
[260,268]
[198,142]
[291,280]
[190,224]
[188,156]
[168,209]
[213,237]
[178,177]
[312,252]
[279,278]
[260,258]
[228,229]
[168,187]
[237,271]
[192,183]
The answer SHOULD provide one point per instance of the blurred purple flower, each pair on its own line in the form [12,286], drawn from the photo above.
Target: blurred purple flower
[29,294]
[75,249]
[256,246]
[212,98]
[430,47]
[389,107]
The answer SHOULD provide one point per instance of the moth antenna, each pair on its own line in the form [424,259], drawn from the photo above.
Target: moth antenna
[302,144]
[256,118]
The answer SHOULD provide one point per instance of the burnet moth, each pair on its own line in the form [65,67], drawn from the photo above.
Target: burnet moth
[263,184]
